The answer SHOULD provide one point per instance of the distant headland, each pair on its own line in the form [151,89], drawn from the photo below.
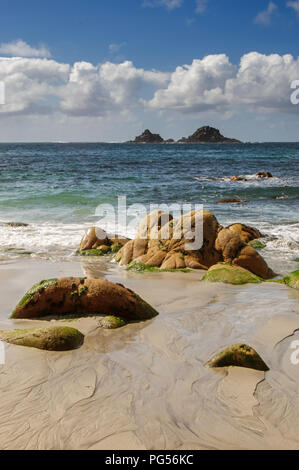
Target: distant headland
[204,134]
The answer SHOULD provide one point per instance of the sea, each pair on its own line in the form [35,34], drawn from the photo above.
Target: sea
[60,189]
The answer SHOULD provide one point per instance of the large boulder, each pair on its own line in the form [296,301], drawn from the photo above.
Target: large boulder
[166,245]
[238,355]
[53,338]
[80,297]
[96,242]
[231,275]
[236,252]
[246,232]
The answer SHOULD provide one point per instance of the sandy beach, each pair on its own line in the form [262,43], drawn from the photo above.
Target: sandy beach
[145,386]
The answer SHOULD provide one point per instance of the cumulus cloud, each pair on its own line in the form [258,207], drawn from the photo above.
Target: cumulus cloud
[196,87]
[98,90]
[168,4]
[29,83]
[22,49]
[265,16]
[294,5]
[261,83]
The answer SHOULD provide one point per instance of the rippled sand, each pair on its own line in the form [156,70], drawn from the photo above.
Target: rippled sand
[145,386]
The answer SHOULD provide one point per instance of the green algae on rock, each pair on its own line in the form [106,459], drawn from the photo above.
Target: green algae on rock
[238,355]
[292,279]
[54,338]
[257,244]
[111,322]
[229,274]
[82,297]
[147,268]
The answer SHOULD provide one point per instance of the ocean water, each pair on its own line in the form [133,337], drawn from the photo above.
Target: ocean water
[56,189]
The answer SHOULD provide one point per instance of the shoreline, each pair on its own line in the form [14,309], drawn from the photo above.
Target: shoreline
[145,385]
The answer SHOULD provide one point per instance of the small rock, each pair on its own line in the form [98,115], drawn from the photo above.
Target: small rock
[238,355]
[292,279]
[238,178]
[231,200]
[54,338]
[264,174]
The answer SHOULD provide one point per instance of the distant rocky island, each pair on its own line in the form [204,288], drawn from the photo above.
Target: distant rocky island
[204,134]
[148,138]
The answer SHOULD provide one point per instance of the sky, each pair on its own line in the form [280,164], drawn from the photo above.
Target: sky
[104,70]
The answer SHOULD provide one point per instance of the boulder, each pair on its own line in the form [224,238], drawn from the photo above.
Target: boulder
[207,134]
[166,245]
[53,338]
[81,297]
[246,233]
[231,275]
[96,242]
[239,355]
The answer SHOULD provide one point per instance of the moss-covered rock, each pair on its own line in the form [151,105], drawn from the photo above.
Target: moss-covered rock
[111,322]
[228,274]
[54,338]
[238,355]
[257,244]
[81,297]
[292,279]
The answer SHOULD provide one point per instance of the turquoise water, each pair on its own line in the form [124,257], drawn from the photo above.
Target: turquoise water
[56,188]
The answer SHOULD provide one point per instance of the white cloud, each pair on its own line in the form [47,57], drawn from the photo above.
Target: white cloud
[30,83]
[201,6]
[265,16]
[22,49]
[196,87]
[260,84]
[99,90]
[295,5]
[168,4]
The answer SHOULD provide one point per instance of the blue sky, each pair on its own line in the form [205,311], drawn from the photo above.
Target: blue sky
[158,35]
[152,37]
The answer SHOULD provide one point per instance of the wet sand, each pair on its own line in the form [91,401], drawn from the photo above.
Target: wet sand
[145,386]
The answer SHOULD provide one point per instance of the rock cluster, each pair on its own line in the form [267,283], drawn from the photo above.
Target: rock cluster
[164,243]
[204,134]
